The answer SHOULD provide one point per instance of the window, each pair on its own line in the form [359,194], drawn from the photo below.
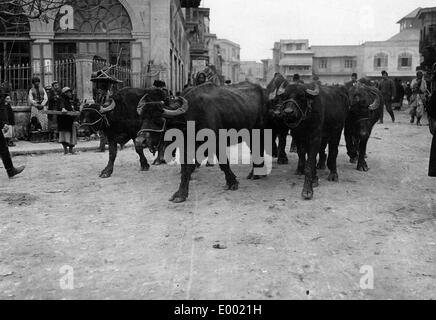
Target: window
[64,51]
[119,52]
[349,64]
[405,61]
[380,61]
[298,46]
[323,64]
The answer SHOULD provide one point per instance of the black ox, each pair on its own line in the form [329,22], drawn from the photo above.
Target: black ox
[240,106]
[119,122]
[316,119]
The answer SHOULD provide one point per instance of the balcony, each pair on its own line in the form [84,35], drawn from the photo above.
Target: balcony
[199,47]
[190,3]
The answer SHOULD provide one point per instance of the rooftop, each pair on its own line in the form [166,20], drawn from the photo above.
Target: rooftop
[335,51]
[411,15]
[407,35]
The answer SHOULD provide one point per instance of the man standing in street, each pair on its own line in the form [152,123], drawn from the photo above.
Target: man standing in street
[4,150]
[417,100]
[387,88]
[53,101]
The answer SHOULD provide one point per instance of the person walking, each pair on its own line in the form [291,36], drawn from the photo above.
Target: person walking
[38,99]
[417,100]
[4,150]
[66,124]
[387,88]
[399,88]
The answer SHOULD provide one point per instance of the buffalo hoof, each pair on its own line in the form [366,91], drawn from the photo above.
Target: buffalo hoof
[105,174]
[159,162]
[283,160]
[177,198]
[362,167]
[209,165]
[299,172]
[307,194]
[145,168]
[233,186]
[353,160]
[333,177]
[315,182]
[321,166]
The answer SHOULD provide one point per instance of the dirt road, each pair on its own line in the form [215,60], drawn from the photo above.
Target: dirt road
[121,238]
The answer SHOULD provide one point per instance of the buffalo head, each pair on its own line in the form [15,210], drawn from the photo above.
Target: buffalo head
[291,103]
[92,119]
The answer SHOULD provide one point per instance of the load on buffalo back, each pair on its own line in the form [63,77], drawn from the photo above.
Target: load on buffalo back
[366,108]
[213,107]
[119,122]
[316,116]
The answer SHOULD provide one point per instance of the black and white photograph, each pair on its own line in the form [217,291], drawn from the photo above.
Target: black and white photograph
[217,150]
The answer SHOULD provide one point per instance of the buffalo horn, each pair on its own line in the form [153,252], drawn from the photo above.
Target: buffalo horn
[179,111]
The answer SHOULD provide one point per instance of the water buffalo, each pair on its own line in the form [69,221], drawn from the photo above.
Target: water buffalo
[119,122]
[213,107]
[366,108]
[316,119]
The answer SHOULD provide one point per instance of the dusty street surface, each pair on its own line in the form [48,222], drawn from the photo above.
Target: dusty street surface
[123,238]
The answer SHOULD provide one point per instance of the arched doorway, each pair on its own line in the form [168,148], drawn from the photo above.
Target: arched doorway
[101,28]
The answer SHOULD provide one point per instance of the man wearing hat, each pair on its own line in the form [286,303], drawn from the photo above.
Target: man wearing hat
[38,99]
[66,125]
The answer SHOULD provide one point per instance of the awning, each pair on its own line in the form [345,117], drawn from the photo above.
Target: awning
[301,61]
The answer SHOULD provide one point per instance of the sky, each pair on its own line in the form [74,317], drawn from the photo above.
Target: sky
[255,25]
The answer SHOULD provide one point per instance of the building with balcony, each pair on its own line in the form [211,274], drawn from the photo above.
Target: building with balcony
[427,46]
[293,56]
[231,61]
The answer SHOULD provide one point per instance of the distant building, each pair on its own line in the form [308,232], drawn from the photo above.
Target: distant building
[268,71]
[230,53]
[251,71]
[427,47]
[399,55]
[293,56]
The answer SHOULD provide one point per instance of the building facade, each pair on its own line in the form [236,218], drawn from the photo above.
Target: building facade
[231,61]
[427,47]
[293,56]
[251,71]
[399,56]
[147,37]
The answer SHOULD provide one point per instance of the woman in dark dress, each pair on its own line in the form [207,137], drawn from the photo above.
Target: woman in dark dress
[66,126]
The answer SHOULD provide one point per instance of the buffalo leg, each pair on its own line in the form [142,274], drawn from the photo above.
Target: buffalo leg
[282,157]
[142,159]
[310,168]
[350,141]
[301,157]
[107,172]
[160,156]
[182,194]
[361,163]
[322,155]
[261,164]
[333,155]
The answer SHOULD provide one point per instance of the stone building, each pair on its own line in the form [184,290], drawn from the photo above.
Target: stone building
[145,37]
[293,56]
[251,71]
[231,63]
[399,56]
[427,47]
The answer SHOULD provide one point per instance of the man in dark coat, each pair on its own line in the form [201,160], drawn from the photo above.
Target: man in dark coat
[4,150]
[388,90]
[53,101]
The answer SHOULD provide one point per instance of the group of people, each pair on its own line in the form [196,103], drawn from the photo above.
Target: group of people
[56,99]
